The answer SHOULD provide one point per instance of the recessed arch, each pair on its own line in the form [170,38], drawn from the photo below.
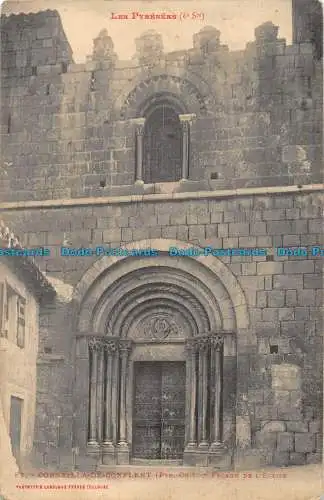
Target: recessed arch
[193,93]
[207,272]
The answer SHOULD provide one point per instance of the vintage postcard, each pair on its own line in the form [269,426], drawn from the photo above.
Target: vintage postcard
[161,250]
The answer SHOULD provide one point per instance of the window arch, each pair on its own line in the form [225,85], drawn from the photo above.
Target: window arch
[162,145]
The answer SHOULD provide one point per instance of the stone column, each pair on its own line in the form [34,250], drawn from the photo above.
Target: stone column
[122,448]
[108,452]
[185,121]
[189,456]
[203,345]
[192,350]
[216,352]
[100,392]
[94,346]
[139,131]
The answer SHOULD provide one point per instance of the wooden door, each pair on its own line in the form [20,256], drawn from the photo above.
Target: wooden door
[159,410]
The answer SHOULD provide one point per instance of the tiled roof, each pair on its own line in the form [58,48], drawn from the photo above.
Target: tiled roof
[25,266]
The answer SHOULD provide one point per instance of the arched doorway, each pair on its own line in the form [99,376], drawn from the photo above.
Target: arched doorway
[156,339]
[162,158]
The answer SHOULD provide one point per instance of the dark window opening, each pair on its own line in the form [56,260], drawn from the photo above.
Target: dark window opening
[214,175]
[48,350]
[9,124]
[34,70]
[274,349]
[48,88]
[162,145]
[64,67]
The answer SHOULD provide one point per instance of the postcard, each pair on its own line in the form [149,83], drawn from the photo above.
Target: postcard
[161,249]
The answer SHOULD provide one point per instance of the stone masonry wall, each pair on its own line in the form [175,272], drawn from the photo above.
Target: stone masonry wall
[284,295]
[67,129]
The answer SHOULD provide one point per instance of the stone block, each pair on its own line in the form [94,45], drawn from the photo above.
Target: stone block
[304,442]
[286,377]
[285,441]
[297,458]
[313,458]
[286,314]
[215,217]
[291,297]
[313,281]
[276,298]
[222,230]
[298,266]
[301,313]
[315,426]
[280,458]
[279,227]
[297,427]
[269,268]
[261,299]
[273,426]
[305,297]
[288,282]
[274,214]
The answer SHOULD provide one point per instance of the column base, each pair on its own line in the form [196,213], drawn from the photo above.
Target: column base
[108,454]
[122,453]
[219,457]
[139,182]
[93,448]
[202,457]
[189,454]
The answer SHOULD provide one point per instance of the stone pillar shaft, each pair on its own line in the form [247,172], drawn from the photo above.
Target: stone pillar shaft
[193,396]
[185,121]
[202,407]
[108,394]
[93,345]
[100,393]
[139,149]
[216,345]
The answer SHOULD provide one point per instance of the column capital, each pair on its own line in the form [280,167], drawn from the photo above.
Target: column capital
[139,125]
[191,346]
[110,345]
[95,343]
[187,118]
[216,342]
[203,343]
[125,347]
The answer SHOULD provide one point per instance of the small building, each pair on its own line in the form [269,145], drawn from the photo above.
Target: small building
[23,287]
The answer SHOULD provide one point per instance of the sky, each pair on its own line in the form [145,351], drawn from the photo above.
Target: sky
[235,19]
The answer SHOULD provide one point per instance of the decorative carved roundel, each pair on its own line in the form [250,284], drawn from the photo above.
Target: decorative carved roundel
[160,328]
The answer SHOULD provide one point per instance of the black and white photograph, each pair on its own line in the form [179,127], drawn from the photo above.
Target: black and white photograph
[161,250]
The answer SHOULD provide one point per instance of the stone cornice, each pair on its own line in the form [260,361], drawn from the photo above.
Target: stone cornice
[160,197]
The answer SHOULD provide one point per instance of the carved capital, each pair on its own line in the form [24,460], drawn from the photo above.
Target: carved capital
[203,343]
[110,346]
[125,347]
[187,119]
[191,347]
[95,344]
[216,342]
[139,126]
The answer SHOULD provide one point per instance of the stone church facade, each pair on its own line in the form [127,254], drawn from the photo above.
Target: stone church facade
[207,358]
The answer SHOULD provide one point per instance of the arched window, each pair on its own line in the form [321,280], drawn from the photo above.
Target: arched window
[162,147]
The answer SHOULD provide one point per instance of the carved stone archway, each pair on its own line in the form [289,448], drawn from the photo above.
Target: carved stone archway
[194,94]
[130,310]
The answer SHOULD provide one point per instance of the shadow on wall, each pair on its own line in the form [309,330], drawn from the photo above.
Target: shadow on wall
[8,465]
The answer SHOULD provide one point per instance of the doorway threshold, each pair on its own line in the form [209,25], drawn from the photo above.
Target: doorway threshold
[156,462]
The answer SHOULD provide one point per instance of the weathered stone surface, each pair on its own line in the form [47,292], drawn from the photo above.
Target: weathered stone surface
[285,441]
[68,133]
[304,442]
[274,426]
